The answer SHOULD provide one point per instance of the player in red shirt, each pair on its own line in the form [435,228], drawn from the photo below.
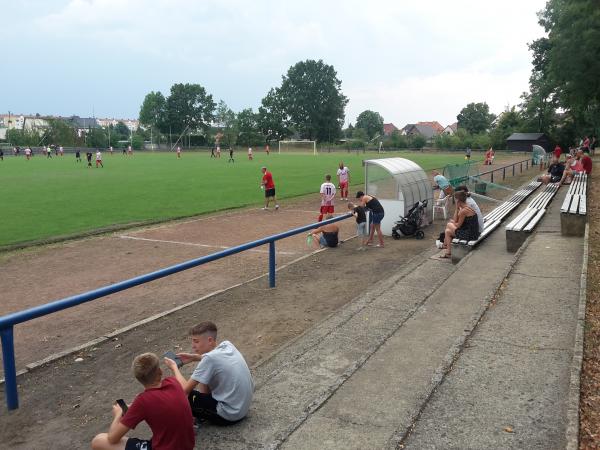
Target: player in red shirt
[269,186]
[163,405]
[557,151]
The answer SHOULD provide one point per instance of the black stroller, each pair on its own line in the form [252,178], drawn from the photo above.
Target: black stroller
[411,224]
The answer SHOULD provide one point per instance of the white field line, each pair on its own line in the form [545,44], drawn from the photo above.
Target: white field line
[222,247]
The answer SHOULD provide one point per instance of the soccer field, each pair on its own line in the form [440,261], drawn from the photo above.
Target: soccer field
[43,198]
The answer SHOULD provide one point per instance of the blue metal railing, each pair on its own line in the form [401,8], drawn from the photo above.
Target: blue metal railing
[8,322]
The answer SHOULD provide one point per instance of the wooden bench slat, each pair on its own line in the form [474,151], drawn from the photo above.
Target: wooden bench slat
[574,205]
[533,222]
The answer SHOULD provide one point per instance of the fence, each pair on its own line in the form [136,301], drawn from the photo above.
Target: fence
[459,178]
[8,322]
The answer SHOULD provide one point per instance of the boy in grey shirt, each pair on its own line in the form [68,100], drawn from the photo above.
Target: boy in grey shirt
[222,378]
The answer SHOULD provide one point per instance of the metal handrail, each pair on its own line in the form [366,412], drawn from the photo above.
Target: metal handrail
[8,321]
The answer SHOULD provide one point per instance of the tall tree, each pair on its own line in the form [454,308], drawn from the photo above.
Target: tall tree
[153,112]
[189,108]
[272,117]
[311,95]
[248,131]
[509,122]
[475,118]
[226,122]
[371,122]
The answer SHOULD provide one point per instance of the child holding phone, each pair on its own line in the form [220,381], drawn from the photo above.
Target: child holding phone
[163,405]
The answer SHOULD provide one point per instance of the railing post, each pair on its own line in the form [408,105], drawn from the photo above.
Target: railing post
[10,371]
[521,168]
[513,170]
[504,173]
[272,264]
[492,176]
[527,165]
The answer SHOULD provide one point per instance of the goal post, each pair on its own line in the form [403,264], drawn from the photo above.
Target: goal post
[298,147]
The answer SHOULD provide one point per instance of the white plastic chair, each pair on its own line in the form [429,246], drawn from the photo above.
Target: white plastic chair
[442,206]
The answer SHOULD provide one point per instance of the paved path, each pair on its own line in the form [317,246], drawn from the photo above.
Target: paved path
[406,367]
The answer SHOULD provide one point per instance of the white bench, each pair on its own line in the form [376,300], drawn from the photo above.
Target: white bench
[519,228]
[573,212]
[492,220]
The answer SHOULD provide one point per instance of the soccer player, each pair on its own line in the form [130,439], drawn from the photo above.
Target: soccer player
[250,153]
[327,192]
[1,155]
[129,150]
[99,159]
[343,174]
[163,405]
[178,151]
[77,155]
[231,155]
[88,156]
[269,187]
[61,150]
[110,149]
[218,151]
[124,151]
[48,152]
[27,153]
[212,152]
[267,149]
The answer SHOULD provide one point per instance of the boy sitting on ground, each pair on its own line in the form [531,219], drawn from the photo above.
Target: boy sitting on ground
[164,407]
[225,385]
[329,234]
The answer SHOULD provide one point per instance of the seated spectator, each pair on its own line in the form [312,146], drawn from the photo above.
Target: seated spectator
[586,163]
[164,407]
[555,172]
[557,152]
[473,205]
[441,182]
[222,378]
[568,173]
[329,234]
[465,227]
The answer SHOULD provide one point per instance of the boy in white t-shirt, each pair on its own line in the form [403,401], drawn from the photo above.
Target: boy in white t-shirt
[250,153]
[221,388]
[343,174]
[327,192]
[99,159]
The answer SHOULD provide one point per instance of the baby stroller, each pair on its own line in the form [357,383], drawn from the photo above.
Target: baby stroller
[411,224]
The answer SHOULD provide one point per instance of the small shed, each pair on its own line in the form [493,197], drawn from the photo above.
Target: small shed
[398,184]
[523,142]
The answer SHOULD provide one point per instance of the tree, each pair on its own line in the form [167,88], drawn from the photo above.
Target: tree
[153,112]
[509,122]
[226,122]
[371,122]
[248,131]
[311,97]
[121,131]
[61,132]
[272,117]
[475,118]
[189,108]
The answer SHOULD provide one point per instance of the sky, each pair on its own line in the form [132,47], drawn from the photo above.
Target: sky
[409,61]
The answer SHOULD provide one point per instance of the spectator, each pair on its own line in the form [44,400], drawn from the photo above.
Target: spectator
[225,385]
[468,153]
[586,145]
[586,163]
[555,172]
[465,227]
[362,230]
[441,182]
[162,405]
[473,205]
[376,216]
[329,234]
[593,145]
[269,186]
[557,152]
[489,157]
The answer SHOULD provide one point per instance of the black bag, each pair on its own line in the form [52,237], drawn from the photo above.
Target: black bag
[442,237]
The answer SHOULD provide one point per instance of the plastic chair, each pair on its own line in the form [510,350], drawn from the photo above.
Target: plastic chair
[442,206]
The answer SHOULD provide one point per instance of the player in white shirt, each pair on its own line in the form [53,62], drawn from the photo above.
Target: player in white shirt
[327,195]
[250,153]
[99,159]
[178,151]
[28,153]
[343,175]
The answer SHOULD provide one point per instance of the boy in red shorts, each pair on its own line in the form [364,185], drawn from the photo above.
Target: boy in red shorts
[343,175]
[327,195]
[163,405]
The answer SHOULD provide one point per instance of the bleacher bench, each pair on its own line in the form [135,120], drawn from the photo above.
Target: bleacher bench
[573,212]
[492,220]
[520,227]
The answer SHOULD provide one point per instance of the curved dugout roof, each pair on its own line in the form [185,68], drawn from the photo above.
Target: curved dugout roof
[412,184]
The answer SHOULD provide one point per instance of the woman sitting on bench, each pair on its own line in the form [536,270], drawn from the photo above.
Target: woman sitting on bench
[466,226]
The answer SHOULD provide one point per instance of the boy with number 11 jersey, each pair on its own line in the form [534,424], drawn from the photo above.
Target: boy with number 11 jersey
[327,195]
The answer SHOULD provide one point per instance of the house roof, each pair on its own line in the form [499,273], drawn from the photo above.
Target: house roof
[435,125]
[453,126]
[525,136]
[83,122]
[424,130]
[389,128]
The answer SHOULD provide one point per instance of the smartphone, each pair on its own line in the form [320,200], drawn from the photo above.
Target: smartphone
[123,405]
[174,357]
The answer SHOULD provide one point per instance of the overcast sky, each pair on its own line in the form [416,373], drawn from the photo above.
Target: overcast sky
[410,61]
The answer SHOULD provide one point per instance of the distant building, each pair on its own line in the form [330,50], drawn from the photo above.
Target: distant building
[389,129]
[413,129]
[451,129]
[82,124]
[523,142]
[435,125]
[132,124]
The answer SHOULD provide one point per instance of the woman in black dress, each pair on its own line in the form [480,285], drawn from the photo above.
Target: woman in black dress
[466,227]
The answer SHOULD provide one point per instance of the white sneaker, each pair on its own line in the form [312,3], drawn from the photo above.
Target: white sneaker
[276,206]
[264,208]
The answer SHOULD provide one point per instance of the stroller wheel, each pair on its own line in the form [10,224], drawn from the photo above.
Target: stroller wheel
[420,234]
[396,235]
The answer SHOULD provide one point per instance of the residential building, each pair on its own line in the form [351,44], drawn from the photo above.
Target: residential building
[451,129]
[389,129]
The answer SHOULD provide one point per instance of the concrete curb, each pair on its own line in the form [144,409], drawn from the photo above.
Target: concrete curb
[60,355]
[572,431]
[397,440]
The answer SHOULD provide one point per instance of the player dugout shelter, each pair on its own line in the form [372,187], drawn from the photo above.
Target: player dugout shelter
[398,183]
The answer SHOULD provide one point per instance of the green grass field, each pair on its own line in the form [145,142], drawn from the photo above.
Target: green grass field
[43,198]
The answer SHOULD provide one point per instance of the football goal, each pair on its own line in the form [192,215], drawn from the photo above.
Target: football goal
[298,147]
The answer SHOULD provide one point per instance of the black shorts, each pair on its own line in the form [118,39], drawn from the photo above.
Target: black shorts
[270,192]
[204,407]
[138,444]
